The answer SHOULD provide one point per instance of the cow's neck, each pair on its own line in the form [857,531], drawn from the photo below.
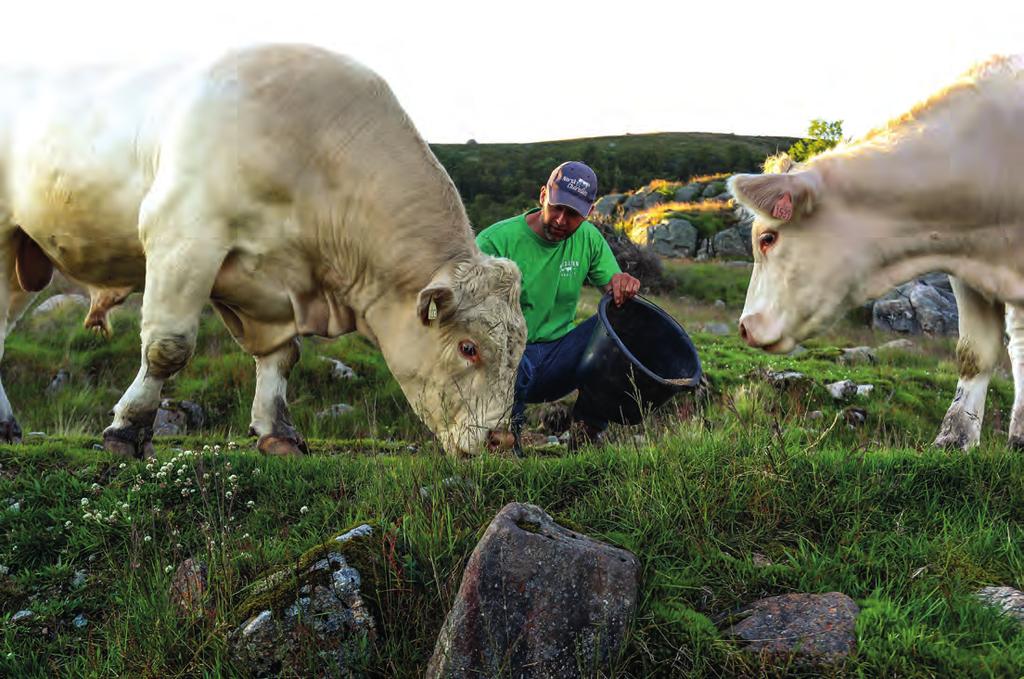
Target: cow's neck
[927,212]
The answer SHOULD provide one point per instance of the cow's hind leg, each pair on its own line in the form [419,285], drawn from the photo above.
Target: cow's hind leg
[179,277]
[1015,330]
[270,418]
[977,352]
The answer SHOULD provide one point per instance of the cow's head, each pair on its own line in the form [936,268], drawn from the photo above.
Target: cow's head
[810,260]
[460,350]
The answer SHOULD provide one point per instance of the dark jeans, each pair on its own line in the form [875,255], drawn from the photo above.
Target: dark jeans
[547,372]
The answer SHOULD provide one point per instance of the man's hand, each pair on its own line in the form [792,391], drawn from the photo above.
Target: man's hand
[623,287]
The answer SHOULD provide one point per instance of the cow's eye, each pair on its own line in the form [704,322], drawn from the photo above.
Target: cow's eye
[469,351]
[767,240]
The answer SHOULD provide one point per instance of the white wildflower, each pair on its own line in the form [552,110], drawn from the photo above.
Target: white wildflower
[303,509]
[228,495]
[67,524]
[147,539]
[250,504]
[168,569]
[85,501]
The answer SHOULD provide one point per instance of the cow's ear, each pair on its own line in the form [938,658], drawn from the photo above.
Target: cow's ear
[781,197]
[436,302]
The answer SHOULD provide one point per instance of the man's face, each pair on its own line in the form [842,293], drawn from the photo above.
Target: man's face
[558,222]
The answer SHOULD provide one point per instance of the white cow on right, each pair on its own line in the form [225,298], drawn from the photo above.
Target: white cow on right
[941,188]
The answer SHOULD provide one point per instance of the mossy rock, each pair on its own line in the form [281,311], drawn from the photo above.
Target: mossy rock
[276,591]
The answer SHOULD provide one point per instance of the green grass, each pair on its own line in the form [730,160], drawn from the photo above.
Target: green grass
[907,531]
[709,282]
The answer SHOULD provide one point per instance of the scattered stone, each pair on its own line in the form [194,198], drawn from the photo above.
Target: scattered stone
[315,607]
[785,378]
[815,415]
[552,440]
[855,417]
[14,507]
[842,390]
[97,446]
[719,304]
[58,302]
[858,356]
[901,344]
[720,329]
[450,483]
[1007,599]
[23,614]
[189,589]
[79,579]
[760,560]
[58,382]
[169,422]
[37,435]
[339,370]
[80,621]
[336,410]
[536,595]
[176,418]
[798,350]
[865,389]
[818,628]
[4,570]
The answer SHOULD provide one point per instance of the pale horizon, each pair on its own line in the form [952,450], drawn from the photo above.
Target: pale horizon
[537,71]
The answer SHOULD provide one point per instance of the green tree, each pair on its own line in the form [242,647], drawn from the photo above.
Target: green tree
[821,136]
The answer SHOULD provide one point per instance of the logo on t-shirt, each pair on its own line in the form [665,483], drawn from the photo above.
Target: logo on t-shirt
[568,268]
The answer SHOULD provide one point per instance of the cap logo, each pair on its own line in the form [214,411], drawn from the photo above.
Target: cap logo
[576,185]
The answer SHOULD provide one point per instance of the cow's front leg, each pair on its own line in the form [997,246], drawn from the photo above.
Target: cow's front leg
[179,277]
[270,419]
[13,301]
[1015,330]
[977,351]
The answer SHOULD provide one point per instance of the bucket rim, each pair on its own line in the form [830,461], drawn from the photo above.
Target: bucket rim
[602,312]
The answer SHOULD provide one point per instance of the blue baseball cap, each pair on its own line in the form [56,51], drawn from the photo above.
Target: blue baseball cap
[573,184]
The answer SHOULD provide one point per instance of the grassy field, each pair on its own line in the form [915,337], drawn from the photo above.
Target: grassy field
[696,492]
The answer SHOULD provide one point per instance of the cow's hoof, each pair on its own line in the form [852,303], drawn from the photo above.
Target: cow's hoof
[960,431]
[117,442]
[10,432]
[281,446]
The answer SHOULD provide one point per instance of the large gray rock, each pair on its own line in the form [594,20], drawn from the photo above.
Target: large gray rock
[316,608]
[712,189]
[685,194]
[817,628]
[733,243]
[537,600]
[922,306]
[635,202]
[674,238]
[606,206]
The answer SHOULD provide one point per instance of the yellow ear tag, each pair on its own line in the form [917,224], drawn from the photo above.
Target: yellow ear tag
[432,311]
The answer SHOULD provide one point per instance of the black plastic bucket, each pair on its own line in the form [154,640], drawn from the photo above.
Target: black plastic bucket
[637,358]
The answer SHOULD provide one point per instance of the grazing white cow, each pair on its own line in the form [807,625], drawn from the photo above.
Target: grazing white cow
[940,188]
[286,185]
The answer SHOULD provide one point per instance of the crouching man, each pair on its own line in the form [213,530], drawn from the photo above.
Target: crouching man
[557,250]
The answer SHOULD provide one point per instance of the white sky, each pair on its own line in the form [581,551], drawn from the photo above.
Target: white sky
[522,70]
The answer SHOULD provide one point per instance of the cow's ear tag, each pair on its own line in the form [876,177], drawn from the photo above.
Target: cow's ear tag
[783,208]
[432,311]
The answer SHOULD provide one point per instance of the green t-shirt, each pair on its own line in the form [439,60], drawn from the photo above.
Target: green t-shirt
[553,273]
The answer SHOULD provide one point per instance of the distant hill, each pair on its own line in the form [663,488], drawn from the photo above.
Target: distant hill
[499,180]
